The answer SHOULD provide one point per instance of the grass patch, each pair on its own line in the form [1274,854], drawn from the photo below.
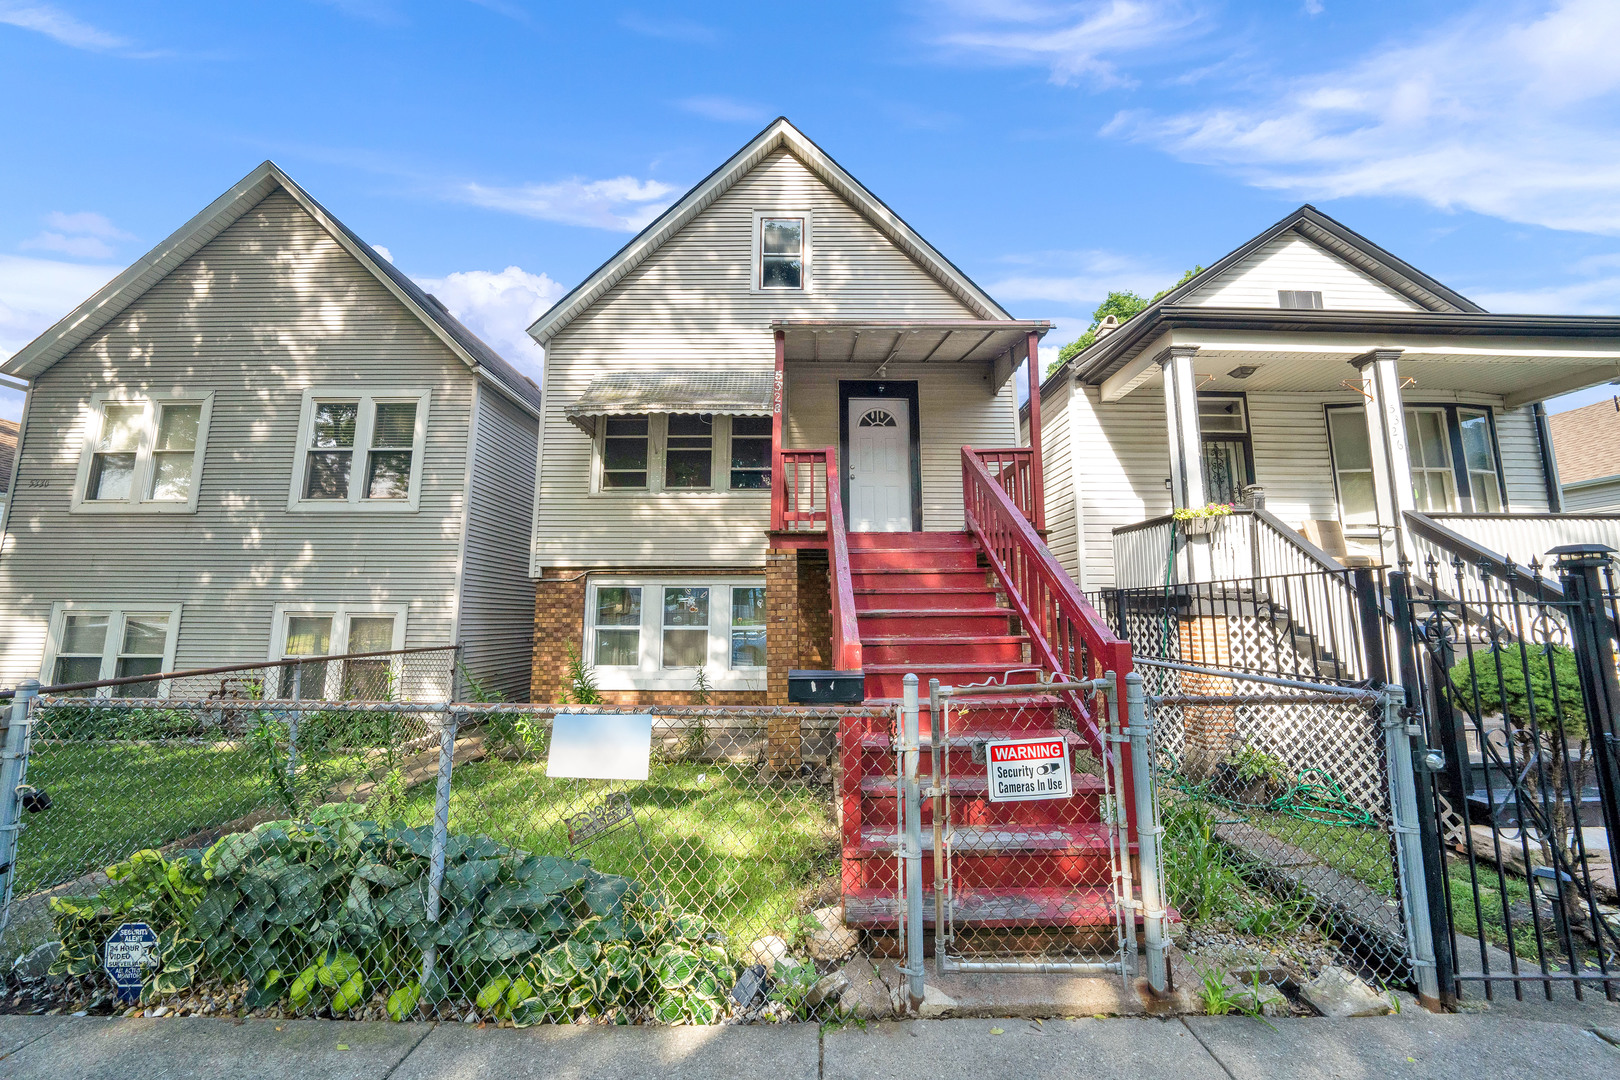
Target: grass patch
[741,851]
[112,799]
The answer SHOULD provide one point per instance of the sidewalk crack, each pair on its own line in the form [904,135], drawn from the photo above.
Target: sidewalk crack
[406,1056]
[1212,1055]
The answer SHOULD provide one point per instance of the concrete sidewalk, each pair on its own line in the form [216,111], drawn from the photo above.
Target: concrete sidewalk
[1419,1046]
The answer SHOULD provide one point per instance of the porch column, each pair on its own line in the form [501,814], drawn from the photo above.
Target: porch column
[1186,448]
[1038,478]
[1386,434]
[778,490]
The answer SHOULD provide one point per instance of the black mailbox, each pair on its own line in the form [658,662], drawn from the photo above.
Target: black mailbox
[826,687]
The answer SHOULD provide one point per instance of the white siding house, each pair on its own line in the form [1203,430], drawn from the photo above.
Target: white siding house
[176,477]
[1317,375]
[766,304]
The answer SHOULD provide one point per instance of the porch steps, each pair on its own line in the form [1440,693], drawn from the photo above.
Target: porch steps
[926,604]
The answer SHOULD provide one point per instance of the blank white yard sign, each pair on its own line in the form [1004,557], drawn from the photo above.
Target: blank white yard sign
[600,746]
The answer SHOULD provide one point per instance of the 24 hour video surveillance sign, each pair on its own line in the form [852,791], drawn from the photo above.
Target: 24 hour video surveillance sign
[1028,769]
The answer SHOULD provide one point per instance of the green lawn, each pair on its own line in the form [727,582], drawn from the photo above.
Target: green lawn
[742,852]
[111,799]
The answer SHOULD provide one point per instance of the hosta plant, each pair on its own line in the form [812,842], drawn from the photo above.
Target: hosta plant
[322,915]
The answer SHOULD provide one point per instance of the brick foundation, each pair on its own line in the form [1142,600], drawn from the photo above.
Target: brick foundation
[1209,729]
[559,622]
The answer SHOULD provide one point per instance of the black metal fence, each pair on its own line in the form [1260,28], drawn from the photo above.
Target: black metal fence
[1515,683]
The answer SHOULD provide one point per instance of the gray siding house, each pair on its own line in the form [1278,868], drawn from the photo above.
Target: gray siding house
[262,440]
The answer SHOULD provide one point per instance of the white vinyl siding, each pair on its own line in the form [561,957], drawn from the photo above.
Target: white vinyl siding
[497,597]
[1064,522]
[1119,458]
[955,408]
[690,307]
[1290,262]
[271,306]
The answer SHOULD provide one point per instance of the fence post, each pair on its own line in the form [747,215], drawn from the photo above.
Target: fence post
[1124,888]
[441,838]
[1580,569]
[1453,779]
[911,844]
[13,766]
[292,724]
[1150,866]
[1372,625]
[1409,853]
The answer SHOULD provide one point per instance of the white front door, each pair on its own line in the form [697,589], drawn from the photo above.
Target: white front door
[879,465]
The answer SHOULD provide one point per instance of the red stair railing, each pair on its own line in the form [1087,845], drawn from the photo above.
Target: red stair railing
[1013,470]
[806,497]
[846,634]
[1066,634]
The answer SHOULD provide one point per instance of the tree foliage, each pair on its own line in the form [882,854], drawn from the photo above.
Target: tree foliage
[1121,305]
[1498,676]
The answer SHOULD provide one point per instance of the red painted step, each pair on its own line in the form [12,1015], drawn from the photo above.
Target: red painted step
[926,605]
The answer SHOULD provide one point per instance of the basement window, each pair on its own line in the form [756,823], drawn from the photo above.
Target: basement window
[655,633]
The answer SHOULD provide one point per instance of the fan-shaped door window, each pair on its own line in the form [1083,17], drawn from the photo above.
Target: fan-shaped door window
[877,418]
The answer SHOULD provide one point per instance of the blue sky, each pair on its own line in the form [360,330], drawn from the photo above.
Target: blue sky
[500,149]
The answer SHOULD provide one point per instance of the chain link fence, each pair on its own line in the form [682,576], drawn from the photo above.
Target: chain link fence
[396,858]
[1279,832]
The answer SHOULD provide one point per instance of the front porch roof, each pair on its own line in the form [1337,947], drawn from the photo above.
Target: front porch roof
[632,394]
[1003,343]
[1522,358]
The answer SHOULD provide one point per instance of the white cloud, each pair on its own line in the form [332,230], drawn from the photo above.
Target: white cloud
[1077,41]
[34,293]
[384,252]
[1515,118]
[499,307]
[686,30]
[724,109]
[57,24]
[85,235]
[623,204]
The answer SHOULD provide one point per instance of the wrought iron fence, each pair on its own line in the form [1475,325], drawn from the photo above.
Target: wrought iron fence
[371,859]
[1303,626]
[1517,685]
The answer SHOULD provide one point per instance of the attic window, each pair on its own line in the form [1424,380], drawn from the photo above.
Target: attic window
[781,253]
[1299,299]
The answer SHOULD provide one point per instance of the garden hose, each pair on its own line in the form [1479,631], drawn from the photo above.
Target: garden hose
[1314,796]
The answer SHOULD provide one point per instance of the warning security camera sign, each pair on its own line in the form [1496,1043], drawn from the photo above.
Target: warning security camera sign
[1028,769]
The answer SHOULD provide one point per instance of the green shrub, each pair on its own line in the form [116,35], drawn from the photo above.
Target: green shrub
[91,722]
[322,914]
[1497,675]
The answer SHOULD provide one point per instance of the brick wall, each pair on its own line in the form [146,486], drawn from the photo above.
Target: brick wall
[559,621]
[1209,728]
[815,613]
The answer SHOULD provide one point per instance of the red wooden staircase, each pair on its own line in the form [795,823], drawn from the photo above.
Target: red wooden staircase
[930,603]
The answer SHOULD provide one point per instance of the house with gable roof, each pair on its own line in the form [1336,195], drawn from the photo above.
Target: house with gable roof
[1353,409]
[776,359]
[260,441]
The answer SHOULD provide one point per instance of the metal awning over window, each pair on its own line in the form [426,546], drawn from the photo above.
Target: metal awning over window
[672,392]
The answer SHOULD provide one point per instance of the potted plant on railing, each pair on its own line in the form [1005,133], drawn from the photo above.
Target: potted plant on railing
[1198,521]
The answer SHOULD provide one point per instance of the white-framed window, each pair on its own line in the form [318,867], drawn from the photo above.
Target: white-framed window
[682,452]
[1428,452]
[1352,466]
[359,450]
[782,247]
[89,642]
[654,633]
[313,631]
[1479,459]
[142,453]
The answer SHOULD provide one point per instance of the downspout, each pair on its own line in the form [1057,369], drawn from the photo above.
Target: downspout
[1549,459]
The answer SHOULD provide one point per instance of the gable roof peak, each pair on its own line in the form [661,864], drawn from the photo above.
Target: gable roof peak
[777,135]
[118,294]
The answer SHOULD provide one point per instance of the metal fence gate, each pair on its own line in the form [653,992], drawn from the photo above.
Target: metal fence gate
[1043,885]
[1516,680]
[1306,789]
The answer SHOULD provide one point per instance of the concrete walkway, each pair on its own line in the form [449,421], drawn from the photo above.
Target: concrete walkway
[1419,1046]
